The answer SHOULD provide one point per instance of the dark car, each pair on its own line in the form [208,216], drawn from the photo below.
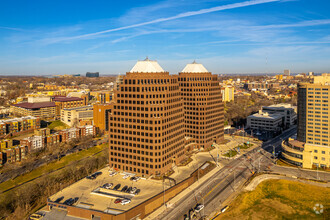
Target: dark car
[124,189]
[132,178]
[129,189]
[59,199]
[75,199]
[118,201]
[91,177]
[69,201]
[117,187]
[97,173]
[137,191]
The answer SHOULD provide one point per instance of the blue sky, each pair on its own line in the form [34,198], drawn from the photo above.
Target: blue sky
[227,36]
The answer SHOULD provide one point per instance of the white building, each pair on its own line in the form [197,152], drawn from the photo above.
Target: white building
[286,110]
[264,121]
[89,130]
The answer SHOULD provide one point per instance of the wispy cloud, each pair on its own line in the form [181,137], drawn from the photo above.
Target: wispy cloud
[11,28]
[159,20]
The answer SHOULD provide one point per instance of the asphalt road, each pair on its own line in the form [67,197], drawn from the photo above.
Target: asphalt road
[223,183]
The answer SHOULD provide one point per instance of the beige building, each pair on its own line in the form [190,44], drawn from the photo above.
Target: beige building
[312,147]
[227,93]
[72,116]
[44,110]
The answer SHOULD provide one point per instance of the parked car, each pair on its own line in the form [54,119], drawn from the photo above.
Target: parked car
[137,178]
[118,201]
[133,190]
[117,187]
[128,190]
[224,208]
[112,173]
[59,199]
[69,201]
[36,216]
[137,192]
[107,186]
[124,189]
[132,178]
[75,199]
[125,201]
[199,207]
[91,177]
[125,176]
[96,174]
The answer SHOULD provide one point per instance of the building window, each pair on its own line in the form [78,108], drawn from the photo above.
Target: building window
[315,151]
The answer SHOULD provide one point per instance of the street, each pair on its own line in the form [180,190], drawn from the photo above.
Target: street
[220,186]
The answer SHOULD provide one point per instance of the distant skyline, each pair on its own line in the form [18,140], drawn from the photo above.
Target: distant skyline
[226,36]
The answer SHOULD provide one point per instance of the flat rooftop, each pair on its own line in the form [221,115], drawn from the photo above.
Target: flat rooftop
[92,196]
[264,115]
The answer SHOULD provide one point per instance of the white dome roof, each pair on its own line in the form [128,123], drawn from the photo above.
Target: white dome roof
[147,66]
[194,68]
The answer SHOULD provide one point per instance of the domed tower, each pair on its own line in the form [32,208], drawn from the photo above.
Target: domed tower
[147,122]
[203,106]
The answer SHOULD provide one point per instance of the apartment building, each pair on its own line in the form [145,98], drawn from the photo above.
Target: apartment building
[312,147]
[72,116]
[227,93]
[203,106]
[33,143]
[18,125]
[44,110]
[63,102]
[147,121]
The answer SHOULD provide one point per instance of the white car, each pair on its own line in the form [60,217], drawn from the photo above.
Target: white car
[125,201]
[199,207]
[112,173]
[137,178]
[126,176]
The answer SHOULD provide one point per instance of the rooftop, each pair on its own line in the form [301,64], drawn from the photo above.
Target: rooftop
[36,105]
[266,115]
[66,99]
[92,196]
[147,66]
[194,68]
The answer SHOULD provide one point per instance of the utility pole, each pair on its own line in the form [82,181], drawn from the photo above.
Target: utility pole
[164,191]
[235,179]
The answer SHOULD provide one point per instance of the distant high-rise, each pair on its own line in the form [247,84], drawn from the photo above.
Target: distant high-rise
[203,106]
[286,72]
[146,132]
[89,74]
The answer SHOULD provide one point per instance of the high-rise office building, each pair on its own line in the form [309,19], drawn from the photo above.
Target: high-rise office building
[312,147]
[95,74]
[203,106]
[146,132]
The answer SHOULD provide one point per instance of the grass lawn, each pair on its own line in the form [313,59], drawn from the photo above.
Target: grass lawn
[279,199]
[231,153]
[57,125]
[51,166]
[245,146]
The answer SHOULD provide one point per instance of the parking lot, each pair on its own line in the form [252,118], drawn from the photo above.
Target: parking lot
[89,193]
